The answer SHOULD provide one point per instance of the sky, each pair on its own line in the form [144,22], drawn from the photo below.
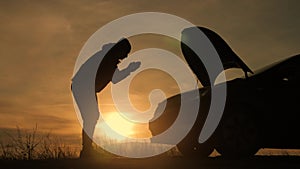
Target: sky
[41,40]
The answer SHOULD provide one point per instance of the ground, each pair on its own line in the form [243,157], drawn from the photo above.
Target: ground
[257,162]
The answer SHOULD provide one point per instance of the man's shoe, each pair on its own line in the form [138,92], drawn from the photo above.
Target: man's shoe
[84,154]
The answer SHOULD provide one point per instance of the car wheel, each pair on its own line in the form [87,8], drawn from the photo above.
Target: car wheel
[238,135]
[194,149]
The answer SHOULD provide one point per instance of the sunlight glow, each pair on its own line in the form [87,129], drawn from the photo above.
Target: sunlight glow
[117,123]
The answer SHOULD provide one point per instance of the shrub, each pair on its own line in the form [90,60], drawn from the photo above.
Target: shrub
[29,145]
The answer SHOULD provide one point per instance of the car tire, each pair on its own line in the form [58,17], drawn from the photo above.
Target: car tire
[238,134]
[191,148]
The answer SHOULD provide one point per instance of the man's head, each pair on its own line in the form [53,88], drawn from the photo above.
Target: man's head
[121,49]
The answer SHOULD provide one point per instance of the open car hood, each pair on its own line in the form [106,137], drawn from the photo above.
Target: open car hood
[228,57]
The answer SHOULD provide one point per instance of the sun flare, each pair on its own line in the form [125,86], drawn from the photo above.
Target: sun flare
[113,121]
[120,124]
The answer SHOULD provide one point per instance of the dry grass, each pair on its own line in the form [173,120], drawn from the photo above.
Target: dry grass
[31,144]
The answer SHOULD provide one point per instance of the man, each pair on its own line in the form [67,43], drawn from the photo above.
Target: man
[109,57]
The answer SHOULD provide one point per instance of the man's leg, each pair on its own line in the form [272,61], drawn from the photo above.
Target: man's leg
[87,141]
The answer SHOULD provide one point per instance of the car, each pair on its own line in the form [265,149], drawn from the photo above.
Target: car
[261,109]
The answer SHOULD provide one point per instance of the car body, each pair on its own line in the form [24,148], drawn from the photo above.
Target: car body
[261,110]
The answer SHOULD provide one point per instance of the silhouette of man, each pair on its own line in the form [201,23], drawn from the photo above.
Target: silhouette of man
[105,74]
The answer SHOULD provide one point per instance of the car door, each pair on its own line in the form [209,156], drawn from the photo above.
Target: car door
[282,113]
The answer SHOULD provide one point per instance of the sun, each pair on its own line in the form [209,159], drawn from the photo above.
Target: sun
[120,124]
[113,121]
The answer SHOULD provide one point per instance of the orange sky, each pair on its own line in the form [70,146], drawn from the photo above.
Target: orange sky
[40,41]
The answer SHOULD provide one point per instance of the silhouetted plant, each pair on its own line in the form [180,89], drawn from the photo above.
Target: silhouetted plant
[23,146]
[54,148]
[29,145]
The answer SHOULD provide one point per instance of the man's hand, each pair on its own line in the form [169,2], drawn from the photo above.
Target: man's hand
[133,66]
[120,75]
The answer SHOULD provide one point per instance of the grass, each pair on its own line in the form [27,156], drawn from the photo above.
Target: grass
[31,145]
[33,149]
[34,145]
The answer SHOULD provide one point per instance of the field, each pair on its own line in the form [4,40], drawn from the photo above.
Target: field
[28,149]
